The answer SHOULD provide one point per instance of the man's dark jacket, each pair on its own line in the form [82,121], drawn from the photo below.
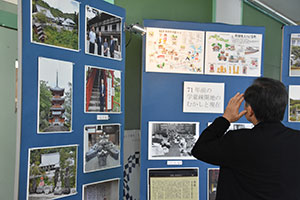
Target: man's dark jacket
[258,163]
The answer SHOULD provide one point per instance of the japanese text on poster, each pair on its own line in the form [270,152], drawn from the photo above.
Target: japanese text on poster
[201,97]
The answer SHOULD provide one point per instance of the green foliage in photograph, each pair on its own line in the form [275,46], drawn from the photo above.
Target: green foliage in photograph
[296,55]
[68,106]
[117,97]
[294,107]
[45,105]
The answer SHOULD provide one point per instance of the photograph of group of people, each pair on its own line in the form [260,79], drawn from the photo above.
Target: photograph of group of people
[103,33]
[172,140]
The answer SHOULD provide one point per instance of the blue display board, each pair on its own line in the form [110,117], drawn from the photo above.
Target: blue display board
[286,77]
[162,99]
[38,20]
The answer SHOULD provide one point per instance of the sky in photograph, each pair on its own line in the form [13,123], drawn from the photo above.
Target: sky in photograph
[294,92]
[48,69]
[66,6]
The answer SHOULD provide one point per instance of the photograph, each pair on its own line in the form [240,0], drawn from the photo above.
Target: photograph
[294,103]
[55,96]
[52,172]
[101,147]
[103,190]
[102,90]
[173,183]
[295,54]
[55,23]
[174,50]
[172,140]
[212,183]
[103,34]
[234,54]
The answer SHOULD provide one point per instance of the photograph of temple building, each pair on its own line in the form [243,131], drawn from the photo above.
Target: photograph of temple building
[55,96]
[102,90]
[103,33]
[52,172]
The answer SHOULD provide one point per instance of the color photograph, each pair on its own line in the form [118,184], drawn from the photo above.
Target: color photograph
[104,190]
[102,90]
[103,34]
[212,183]
[173,183]
[55,23]
[52,172]
[172,140]
[101,147]
[294,103]
[295,55]
[55,96]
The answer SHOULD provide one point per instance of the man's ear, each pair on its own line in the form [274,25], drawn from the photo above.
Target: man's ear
[249,111]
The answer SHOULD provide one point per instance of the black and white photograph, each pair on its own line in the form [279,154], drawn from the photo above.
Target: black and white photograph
[103,33]
[173,183]
[212,182]
[101,147]
[55,23]
[52,172]
[55,96]
[172,140]
[103,190]
[295,54]
[102,90]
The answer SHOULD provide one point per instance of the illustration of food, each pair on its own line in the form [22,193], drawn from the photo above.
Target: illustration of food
[211,68]
[250,50]
[216,46]
[245,70]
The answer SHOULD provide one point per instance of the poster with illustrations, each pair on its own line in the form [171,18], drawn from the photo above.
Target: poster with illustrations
[55,23]
[173,183]
[102,190]
[295,54]
[172,140]
[236,54]
[55,96]
[294,103]
[52,172]
[174,51]
[212,182]
[102,90]
[103,33]
[203,97]
[101,147]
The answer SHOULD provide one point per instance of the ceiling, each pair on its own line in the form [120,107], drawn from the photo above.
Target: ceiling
[288,8]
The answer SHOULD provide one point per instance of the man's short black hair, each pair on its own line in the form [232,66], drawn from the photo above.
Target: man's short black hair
[268,99]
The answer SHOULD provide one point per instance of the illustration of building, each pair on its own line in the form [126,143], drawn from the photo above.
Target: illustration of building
[57,109]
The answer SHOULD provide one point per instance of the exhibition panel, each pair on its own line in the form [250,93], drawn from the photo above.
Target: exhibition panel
[72,116]
[190,71]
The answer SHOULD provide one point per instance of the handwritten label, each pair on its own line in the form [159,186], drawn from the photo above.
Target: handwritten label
[201,97]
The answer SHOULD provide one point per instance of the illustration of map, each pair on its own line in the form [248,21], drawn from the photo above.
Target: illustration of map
[174,50]
[237,54]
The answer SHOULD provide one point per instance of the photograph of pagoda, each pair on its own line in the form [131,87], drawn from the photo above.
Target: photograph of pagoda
[55,96]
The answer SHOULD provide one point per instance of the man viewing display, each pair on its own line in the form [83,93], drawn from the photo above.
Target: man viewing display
[258,163]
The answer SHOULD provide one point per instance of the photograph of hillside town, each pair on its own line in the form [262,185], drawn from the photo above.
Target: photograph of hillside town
[55,23]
